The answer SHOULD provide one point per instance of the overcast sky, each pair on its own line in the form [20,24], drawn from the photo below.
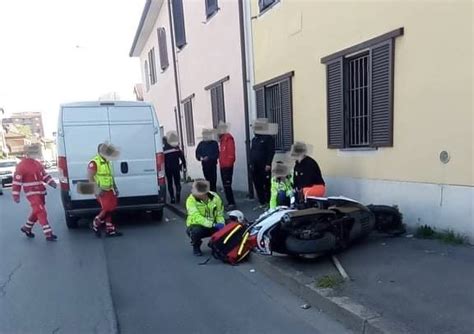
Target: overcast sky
[56,51]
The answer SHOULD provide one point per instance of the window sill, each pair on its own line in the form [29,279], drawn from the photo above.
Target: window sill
[358,149]
[357,152]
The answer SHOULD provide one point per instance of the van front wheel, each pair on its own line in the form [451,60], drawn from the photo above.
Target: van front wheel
[157,215]
[71,222]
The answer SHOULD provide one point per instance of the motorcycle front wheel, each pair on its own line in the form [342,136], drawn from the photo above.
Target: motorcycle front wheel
[311,246]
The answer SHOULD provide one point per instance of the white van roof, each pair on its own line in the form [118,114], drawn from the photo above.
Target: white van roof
[106,103]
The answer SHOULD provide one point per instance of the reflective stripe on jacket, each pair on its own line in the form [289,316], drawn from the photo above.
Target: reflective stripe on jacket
[285,185]
[31,176]
[204,213]
[104,177]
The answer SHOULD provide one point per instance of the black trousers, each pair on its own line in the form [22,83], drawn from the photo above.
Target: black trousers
[173,176]
[262,183]
[197,232]
[226,175]
[209,169]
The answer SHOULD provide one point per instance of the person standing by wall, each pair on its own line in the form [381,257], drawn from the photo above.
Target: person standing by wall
[261,155]
[226,162]
[207,152]
[174,163]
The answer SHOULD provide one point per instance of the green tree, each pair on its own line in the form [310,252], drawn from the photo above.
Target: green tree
[24,130]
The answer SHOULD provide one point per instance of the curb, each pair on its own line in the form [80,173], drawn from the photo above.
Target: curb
[353,315]
[175,210]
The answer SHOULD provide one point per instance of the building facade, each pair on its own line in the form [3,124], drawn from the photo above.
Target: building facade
[32,120]
[383,92]
[3,142]
[16,143]
[192,69]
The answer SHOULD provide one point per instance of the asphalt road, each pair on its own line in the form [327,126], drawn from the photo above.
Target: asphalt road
[145,282]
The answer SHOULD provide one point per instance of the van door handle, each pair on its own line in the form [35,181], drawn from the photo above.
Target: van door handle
[124,167]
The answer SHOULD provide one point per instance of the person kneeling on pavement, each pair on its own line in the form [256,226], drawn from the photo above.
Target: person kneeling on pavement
[282,185]
[205,214]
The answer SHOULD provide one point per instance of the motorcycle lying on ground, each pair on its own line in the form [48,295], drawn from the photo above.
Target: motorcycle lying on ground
[322,225]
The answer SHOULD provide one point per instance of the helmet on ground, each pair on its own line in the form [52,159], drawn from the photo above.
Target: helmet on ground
[237,215]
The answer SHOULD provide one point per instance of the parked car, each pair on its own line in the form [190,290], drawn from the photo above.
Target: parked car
[7,168]
[139,171]
[47,164]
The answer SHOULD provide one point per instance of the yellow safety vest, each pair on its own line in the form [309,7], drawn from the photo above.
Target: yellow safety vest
[205,213]
[104,177]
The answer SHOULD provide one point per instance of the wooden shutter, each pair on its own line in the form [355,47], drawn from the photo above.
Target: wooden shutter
[260,101]
[214,107]
[164,63]
[179,27]
[211,7]
[335,104]
[382,94]
[220,103]
[217,104]
[152,65]
[188,114]
[147,76]
[286,119]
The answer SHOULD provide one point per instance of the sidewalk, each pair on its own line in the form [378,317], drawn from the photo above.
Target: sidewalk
[397,285]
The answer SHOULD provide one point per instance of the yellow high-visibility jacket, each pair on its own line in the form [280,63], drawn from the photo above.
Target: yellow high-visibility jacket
[285,185]
[104,177]
[203,213]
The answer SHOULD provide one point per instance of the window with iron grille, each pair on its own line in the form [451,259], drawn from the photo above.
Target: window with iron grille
[217,104]
[274,101]
[358,100]
[211,7]
[266,4]
[360,94]
[189,122]
[147,76]
[151,62]
[164,63]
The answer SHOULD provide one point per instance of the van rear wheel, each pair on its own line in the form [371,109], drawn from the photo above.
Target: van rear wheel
[71,222]
[157,215]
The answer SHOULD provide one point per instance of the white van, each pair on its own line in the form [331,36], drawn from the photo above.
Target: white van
[139,171]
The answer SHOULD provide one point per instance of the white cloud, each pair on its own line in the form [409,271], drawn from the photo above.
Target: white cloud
[56,51]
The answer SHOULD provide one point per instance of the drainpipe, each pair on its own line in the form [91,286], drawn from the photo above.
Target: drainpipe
[175,71]
[250,59]
[245,75]
[176,82]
